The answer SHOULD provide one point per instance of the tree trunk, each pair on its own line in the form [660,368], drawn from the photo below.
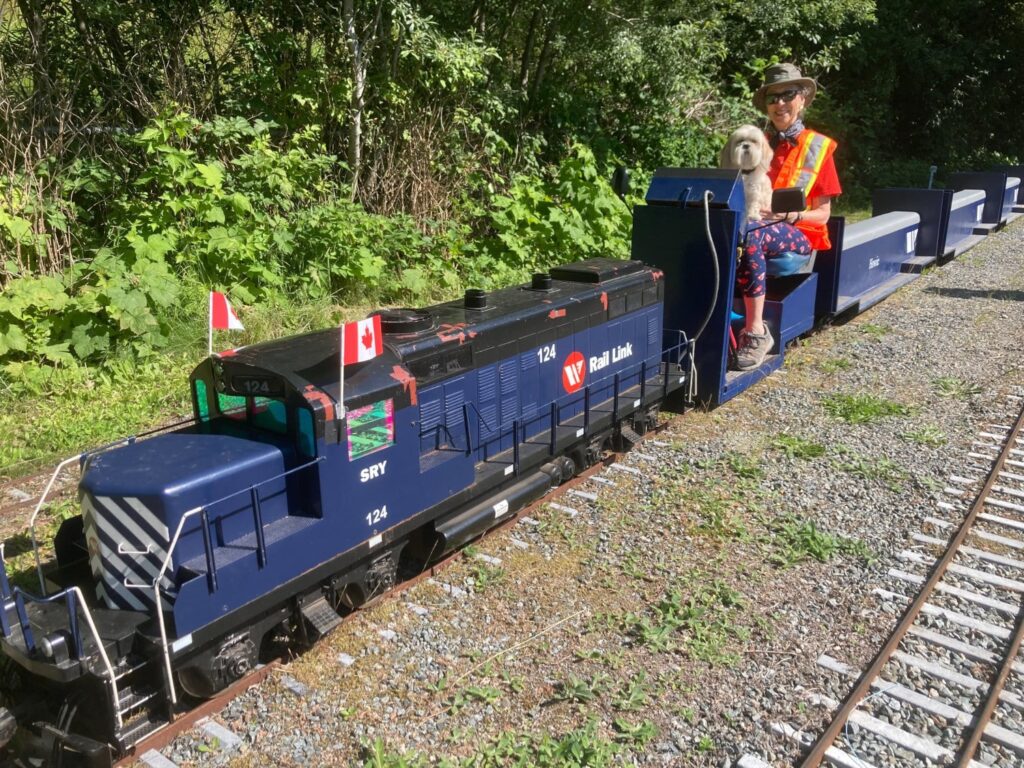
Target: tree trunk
[546,54]
[357,103]
[531,38]
[42,84]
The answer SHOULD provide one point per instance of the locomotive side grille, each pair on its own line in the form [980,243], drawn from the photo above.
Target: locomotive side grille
[487,379]
[654,331]
[127,544]
[507,372]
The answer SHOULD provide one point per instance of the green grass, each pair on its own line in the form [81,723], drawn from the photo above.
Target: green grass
[882,469]
[927,435]
[863,409]
[873,330]
[48,413]
[797,447]
[950,386]
[835,364]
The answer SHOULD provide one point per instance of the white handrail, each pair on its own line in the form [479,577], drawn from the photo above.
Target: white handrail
[158,605]
[103,654]
[35,514]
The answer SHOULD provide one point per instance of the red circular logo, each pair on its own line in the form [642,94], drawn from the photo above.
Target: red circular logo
[574,371]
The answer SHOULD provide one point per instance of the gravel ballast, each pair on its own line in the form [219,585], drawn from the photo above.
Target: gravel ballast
[672,605]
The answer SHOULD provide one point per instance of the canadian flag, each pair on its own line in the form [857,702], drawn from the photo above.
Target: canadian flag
[361,340]
[222,316]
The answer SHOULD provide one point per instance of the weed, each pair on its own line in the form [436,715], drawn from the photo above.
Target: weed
[485,693]
[633,695]
[576,749]
[485,576]
[582,691]
[717,518]
[949,386]
[632,568]
[835,364]
[874,330]
[515,683]
[706,744]
[797,447]
[640,734]
[438,685]
[744,466]
[862,409]
[798,540]
[612,660]
[882,470]
[927,435]
[375,755]
[703,624]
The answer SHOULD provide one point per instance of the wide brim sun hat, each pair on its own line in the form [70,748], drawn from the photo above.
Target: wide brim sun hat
[784,74]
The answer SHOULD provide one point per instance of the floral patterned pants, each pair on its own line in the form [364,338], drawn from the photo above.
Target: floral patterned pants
[767,242]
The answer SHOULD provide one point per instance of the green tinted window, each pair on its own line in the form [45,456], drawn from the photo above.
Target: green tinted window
[232,406]
[270,414]
[202,404]
[304,431]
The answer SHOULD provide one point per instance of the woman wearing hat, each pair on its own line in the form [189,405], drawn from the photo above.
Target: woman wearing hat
[802,158]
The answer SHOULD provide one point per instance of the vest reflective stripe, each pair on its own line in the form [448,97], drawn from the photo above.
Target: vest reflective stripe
[801,169]
[803,165]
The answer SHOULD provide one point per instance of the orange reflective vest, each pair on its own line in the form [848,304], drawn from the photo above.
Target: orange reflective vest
[800,169]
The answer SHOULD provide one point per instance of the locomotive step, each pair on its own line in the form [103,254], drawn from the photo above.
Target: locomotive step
[132,699]
[321,617]
[629,434]
[138,728]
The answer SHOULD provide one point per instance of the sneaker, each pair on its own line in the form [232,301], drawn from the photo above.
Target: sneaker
[753,349]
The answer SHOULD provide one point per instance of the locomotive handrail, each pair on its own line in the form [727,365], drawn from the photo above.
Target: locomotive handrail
[211,566]
[77,600]
[436,433]
[81,458]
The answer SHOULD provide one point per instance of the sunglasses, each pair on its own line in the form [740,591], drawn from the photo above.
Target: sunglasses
[782,97]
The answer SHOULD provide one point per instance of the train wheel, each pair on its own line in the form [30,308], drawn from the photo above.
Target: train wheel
[8,726]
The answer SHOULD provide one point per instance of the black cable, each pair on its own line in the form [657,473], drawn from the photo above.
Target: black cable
[714,263]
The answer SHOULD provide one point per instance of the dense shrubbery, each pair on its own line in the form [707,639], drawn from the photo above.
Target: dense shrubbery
[301,151]
[219,204]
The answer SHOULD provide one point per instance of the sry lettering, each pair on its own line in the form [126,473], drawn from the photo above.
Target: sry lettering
[372,471]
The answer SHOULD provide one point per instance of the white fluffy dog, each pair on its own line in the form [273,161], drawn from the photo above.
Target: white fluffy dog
[748,150]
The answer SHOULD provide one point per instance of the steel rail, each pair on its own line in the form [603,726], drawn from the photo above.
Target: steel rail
[863,686]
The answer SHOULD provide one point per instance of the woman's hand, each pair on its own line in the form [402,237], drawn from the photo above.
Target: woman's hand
[767,215]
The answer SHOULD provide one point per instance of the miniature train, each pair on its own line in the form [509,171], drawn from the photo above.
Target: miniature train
[276,509]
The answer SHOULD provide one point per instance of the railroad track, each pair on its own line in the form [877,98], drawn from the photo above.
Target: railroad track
[947,687]
[147,751]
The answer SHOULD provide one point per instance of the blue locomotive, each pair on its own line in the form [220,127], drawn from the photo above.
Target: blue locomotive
[272,513]
[277,508]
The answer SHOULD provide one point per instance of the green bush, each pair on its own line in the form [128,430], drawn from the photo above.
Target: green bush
[542,220]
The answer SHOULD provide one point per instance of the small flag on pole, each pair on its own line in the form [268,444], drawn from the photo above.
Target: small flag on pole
[222,316]
[360,341]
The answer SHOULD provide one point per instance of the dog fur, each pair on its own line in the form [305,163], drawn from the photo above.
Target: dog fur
[747,149]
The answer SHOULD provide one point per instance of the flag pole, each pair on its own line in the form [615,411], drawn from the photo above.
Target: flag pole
[209,333]
[341,372]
